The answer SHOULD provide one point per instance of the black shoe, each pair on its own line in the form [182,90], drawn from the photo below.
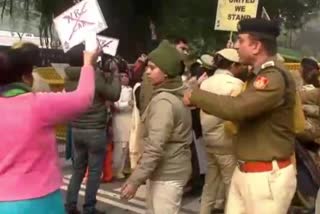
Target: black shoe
[95,211]
[217,211]
[72,209]
[99,212]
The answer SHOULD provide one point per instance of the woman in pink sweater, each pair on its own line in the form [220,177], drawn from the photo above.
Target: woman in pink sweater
[30,176]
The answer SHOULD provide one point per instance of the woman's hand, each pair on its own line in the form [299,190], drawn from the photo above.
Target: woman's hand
[90,58]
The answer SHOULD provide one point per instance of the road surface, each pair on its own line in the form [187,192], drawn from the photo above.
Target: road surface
[108,195]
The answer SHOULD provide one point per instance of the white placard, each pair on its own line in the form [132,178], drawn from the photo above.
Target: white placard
[74,24]
[109,45]
[91,42]
[230,12]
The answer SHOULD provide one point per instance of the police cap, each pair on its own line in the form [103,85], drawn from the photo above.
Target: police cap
[207,61]
[257,25]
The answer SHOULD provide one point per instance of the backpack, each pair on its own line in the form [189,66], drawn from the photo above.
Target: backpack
[298,115]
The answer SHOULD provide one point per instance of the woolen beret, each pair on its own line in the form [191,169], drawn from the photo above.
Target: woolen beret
[258,25]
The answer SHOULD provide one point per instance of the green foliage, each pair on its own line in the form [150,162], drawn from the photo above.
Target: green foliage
[193,20]
[19,21]
[294,13]
[47,9]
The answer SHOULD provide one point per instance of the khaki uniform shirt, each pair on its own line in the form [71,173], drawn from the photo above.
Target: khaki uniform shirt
[263,112]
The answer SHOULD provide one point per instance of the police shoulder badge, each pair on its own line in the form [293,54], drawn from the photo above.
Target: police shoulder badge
[261,82]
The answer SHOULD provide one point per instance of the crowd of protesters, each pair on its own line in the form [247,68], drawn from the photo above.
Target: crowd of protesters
[226,125]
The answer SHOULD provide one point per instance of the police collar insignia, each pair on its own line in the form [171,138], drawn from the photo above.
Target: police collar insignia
[261,82]
[268,64]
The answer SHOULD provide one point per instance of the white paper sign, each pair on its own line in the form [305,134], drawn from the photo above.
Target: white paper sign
[230,12]
[74,24]
[109,45]
[91,42]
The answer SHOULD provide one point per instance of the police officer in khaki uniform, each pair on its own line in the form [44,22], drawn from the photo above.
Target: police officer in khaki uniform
[264,180]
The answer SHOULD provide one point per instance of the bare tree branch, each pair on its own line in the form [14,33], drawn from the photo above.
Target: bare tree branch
[3,8]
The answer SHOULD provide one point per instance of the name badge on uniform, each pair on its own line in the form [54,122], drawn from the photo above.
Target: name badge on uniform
[261,82]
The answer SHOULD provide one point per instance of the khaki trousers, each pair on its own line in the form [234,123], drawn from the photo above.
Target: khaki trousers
[164,197]
[318,203]
[217,182]
[263,192]
[120,156]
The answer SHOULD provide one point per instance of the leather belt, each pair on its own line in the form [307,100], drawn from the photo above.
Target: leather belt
[259,166]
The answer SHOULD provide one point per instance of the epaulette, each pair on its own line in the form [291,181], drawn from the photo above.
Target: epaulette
[268,64]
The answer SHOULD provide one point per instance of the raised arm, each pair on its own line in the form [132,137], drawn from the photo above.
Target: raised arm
[54,108]
[245,106]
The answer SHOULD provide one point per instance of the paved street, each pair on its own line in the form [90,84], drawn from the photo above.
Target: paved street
[109,199]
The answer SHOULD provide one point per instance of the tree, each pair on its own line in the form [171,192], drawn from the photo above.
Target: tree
[193,19]
[46,9]
[18,22]
[293,13]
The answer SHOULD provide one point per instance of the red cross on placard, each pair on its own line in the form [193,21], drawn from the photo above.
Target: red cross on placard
[104,44]
[76,17]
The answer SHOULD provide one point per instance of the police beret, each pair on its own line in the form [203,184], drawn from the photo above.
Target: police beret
[257,25]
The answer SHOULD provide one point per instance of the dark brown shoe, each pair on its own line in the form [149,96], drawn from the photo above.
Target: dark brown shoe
[72,210]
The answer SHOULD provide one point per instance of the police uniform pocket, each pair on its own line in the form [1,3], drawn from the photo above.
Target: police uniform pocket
[283,183]
[260,187]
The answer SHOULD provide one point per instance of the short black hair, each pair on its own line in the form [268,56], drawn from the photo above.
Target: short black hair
[311,77]
[110,64]
[196,70]
[122,65]
[309,64]
[176,39]
[310,72]
[75,56]
[268,42]
[4,67]
[221,62]
[180,39]
[21,61]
